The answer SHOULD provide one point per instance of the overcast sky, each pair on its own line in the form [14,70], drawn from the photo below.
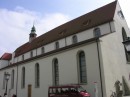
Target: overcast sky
[17,17]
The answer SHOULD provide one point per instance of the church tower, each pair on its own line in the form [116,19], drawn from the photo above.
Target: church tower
[32,35]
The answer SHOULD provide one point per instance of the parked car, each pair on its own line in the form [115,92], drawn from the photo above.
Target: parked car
[67,91]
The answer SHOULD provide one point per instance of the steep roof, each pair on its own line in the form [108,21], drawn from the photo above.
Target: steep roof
[92,19]
[6,56]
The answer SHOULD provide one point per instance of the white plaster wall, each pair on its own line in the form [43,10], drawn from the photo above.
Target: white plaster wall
[85,35]
[12,60]
[50,47]
[112,25]
[4,63]
[34,52]
[39,50]
[27,55]
[1,82]
[69,40]
[10,91]
[113,56]
[67,71]
[105,28]
[62,43]
[15,59]
[19,58]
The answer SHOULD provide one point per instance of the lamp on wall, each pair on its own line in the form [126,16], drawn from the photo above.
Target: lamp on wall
[127,44]
[7,75]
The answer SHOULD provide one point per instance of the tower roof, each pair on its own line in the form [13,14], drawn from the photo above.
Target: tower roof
[33,30]
[92,19]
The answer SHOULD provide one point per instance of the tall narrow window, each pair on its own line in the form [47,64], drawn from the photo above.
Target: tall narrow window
[37,75]
[31,54]
[55,72]
[124,36]
[42,50]
[12,79]
[4,80]
[120,14]
[96,32]
[23,78]
[74,39]
[82,68]
[56,45]
[22,57]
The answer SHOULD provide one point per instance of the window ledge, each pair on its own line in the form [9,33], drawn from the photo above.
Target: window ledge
[83,83]
[127,62]
[37,86]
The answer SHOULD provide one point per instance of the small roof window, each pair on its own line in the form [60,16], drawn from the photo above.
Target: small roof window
[86,23]
[120,14]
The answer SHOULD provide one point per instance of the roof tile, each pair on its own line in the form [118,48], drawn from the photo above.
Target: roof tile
[6,56]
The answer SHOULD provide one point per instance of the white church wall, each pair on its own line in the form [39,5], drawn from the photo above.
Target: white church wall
[34,52]
[1,82]
[50,47]
[27,55]
[39,52]
[4,63]
[119,24]
[10,91]
[62,43]
[19,58]
[67,70]
[15,59]
[113,55]
[105,28]
[12,60]
[112,25]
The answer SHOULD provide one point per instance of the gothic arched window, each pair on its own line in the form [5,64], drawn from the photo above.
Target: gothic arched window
[42,50]
[37,75]
[82,67]
[23,78]
[97,32]
[74,39]
[12,79]
[56,45]
[55,72]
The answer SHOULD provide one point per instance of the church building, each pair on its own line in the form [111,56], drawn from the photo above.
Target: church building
[87,50]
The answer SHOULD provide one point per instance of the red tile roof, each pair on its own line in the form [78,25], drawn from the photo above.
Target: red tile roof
[92,19]
[6,56]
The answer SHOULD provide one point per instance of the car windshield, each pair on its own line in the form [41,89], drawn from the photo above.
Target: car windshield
[81,89]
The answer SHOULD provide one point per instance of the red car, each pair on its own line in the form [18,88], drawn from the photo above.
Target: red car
[67,91]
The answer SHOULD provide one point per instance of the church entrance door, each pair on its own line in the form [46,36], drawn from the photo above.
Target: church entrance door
[29,90]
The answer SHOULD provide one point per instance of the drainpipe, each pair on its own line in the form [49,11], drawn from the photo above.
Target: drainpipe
[97,40]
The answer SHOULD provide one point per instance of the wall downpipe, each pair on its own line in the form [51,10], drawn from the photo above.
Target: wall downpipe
[100,70]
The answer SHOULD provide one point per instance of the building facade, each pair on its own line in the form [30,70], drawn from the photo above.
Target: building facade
[83,51]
